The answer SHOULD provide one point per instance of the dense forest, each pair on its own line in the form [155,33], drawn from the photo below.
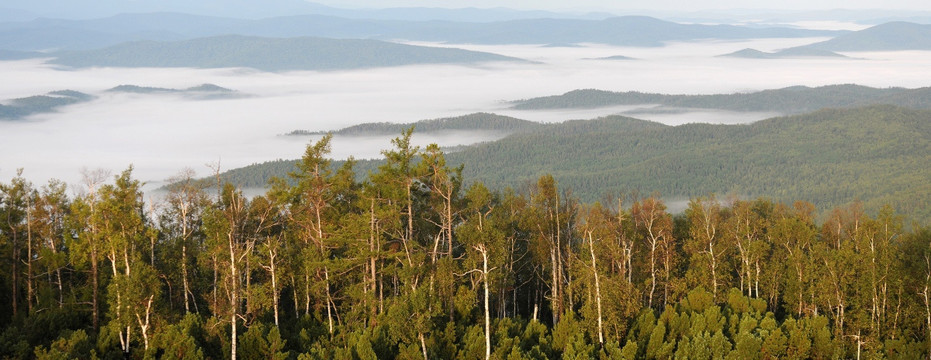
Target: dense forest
[832,157]
[412,263]
[790,100]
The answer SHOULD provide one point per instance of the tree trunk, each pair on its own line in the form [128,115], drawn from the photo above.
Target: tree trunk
[94,283]
[30,292]
[558,269]
[591,249]
[14,260]
[144,326]
[234,297]
[653,244]
[926,295]
[184,275]
[329,300]
[487,318]
[555,295]
[423,346]
[306,290]
[274,274]
[714,274]
[297,307]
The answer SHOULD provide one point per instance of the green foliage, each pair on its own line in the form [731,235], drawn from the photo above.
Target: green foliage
[183,340]
[13,344]
[698,300]
[263,342]
[748,346]
[408,265]
[629,352]
[71,345]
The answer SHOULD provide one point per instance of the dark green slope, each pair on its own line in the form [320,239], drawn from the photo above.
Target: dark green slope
[271,54]
[879,154]
[790,100]
[470,122]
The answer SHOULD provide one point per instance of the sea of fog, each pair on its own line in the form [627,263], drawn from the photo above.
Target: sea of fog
[161,134]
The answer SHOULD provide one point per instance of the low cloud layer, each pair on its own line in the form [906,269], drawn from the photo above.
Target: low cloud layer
[161,134]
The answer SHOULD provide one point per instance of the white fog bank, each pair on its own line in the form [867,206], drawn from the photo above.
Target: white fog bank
[161,134]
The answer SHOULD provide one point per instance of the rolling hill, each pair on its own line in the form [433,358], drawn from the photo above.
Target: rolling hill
[890,36]
[877,154]
[270,54]
[790,100]
[199,92]
[803,52]
[45,34]
[470,122]
[16,109]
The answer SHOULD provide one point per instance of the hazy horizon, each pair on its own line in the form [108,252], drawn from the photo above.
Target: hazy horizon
[438,10]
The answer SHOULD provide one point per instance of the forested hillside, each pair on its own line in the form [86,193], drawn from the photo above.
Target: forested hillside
[470,122]
[831,157]
[878,155]
[19,108]
[790,100]
[414,264]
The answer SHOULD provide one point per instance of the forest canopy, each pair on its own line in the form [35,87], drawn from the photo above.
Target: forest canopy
[414,263]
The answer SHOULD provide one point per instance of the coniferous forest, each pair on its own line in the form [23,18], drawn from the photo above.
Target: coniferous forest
[412,263]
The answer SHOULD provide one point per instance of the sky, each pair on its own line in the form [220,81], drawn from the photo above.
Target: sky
[22,10]
[663,5]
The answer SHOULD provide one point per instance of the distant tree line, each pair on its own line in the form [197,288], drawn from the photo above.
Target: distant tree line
[789,100]
[411,263]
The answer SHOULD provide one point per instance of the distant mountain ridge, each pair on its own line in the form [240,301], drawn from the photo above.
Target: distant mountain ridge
[50,34]
[802,52]
[271,54]
[199,92]
[890,36]
[246,9]
[470,122]
[149,90]
[790,100]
